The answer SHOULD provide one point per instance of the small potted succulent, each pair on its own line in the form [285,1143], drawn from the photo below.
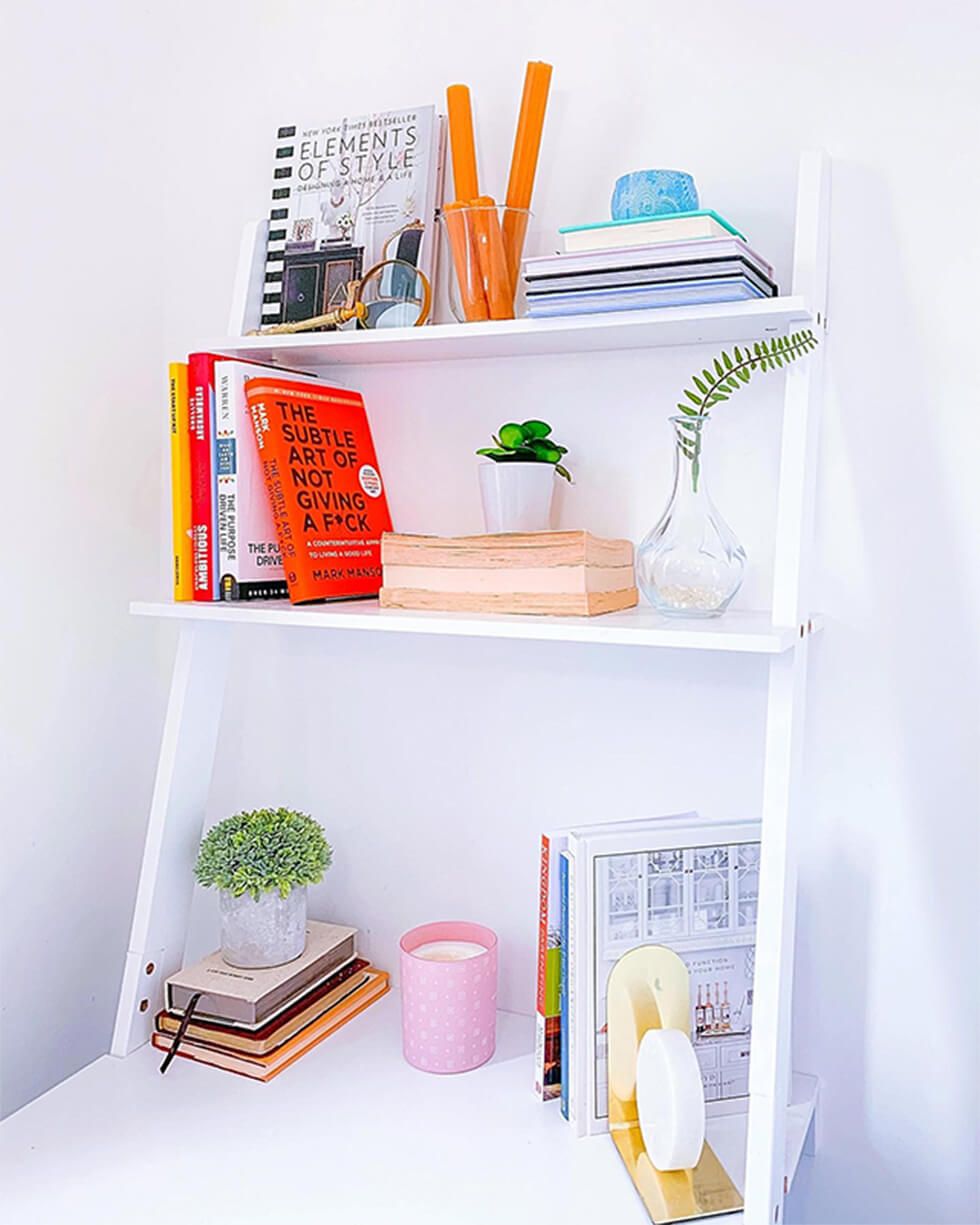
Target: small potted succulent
[517,479]
[261,863]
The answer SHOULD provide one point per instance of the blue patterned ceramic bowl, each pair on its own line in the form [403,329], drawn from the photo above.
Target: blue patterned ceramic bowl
[650,193]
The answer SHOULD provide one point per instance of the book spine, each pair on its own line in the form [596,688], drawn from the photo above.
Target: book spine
[273,299]
[541,1020]
[563,983]
[226,481]
[180,478]
[570,1067]
[200,390]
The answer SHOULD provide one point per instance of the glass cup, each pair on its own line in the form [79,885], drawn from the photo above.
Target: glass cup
[481,253]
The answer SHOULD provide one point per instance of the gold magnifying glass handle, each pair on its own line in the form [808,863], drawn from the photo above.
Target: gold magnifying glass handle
[332,319]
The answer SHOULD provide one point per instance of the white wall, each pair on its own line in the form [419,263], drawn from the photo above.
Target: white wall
[433,765]
[83,394]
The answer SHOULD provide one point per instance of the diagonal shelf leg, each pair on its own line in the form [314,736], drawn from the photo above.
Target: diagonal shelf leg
[180,793]
[770,1068]
[770,1065]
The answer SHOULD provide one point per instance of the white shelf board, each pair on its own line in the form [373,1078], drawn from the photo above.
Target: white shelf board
[642,627]
[643,329]
[348,1134]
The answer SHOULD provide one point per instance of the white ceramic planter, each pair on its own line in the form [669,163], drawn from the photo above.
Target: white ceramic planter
[517,497]
[267,932]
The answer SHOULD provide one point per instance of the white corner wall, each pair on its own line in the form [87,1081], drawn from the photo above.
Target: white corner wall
[434,765]
[83,402]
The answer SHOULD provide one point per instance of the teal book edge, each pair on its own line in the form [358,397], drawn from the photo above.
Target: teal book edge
[605,225]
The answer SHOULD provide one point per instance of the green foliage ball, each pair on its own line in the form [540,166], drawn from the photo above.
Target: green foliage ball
[256,852]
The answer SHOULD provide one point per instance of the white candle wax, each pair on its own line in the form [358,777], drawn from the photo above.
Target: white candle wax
[448,950]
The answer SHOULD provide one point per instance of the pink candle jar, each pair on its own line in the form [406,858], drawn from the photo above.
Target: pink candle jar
[449,996]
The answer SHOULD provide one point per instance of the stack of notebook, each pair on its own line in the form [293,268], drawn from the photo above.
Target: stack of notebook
[674,260]
[258,1022]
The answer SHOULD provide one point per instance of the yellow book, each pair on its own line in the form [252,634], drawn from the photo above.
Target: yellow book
[180,481]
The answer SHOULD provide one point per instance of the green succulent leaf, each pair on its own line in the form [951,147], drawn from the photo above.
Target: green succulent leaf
[563,471]
[536,429]
[493,452]
[511,435]
[544,451]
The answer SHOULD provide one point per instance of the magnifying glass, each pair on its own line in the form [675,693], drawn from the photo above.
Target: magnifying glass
[392,294]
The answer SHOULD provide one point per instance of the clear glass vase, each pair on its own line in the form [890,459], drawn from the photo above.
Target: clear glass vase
[691,564]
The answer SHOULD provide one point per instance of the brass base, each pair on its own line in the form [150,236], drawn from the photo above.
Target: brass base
[676,1195]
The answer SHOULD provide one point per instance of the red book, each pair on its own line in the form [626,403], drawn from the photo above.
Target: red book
[204,525]
[322,476]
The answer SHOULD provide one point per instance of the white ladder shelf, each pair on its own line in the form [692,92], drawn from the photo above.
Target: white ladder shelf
[194,709]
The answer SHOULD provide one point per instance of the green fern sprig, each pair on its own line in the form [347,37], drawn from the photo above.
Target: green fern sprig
[731,372]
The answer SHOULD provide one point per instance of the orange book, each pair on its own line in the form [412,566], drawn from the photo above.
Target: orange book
[323,480]
[266,1067]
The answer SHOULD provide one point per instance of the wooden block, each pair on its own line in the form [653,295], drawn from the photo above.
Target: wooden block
[558,604]
[510,550]
[550,573]
[539,580]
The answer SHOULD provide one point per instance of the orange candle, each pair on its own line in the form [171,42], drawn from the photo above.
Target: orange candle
[497,282]
[524,162]
[466,262]
[461,141]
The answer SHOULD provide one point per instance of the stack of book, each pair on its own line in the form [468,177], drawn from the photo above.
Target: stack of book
[258,1022]
[554,573]
[276,488]
[676,260]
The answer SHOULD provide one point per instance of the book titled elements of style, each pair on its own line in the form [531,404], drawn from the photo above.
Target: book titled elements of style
[558,573]
[258,1022]
[345,195]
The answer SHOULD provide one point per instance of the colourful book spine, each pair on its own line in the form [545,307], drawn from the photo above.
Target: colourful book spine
[563,982]
[200,390]
[180,482]
[548,1049]
[540,1035]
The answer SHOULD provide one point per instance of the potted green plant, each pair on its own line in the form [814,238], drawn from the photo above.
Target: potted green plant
[517,477]
[261,863]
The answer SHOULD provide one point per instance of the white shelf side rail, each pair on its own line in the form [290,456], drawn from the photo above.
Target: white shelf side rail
[246,298]
[180,793]
[770,1070]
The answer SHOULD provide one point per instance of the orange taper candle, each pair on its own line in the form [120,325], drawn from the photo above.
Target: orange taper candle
[461,141]
[498,285]
[524,162]
[463,243]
